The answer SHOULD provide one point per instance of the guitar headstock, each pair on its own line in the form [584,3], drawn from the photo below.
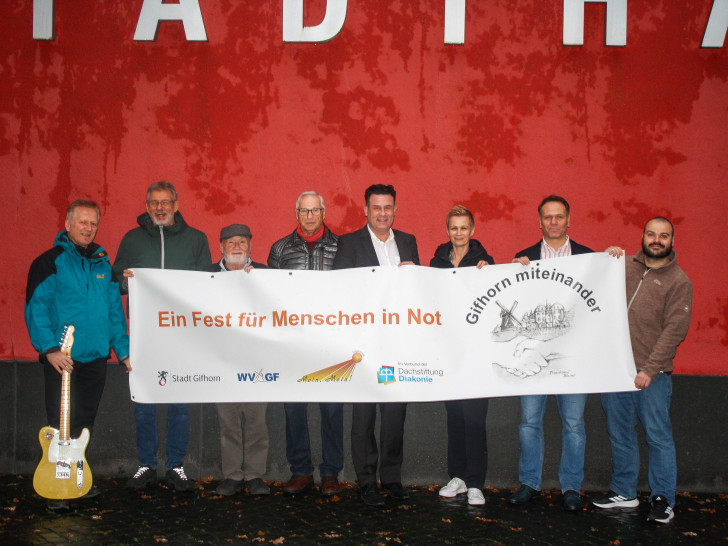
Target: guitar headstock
[67,340]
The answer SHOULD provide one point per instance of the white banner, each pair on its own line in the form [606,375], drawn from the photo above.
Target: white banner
[380,334]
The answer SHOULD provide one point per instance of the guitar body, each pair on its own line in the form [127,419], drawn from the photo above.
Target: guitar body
[62,472]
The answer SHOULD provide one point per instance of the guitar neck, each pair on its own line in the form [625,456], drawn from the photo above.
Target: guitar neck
[64,432]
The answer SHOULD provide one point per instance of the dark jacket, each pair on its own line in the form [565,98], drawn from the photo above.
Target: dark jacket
[660,302]
[292,252]
[67,288]
[357,250]
[534,252]
[216,267]
[476,252]
[178,246]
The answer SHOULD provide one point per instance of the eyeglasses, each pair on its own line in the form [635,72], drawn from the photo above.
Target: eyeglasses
[306,212]
[165,203]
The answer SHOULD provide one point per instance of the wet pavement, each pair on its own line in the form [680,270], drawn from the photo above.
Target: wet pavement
[160,515]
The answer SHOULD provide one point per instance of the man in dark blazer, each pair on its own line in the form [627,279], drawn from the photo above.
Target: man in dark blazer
[373,245]
[553,215]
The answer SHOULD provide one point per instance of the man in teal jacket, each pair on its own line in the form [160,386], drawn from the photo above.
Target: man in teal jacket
[71,285]
[163,240]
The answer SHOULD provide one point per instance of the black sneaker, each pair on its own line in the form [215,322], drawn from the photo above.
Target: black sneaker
[613,500]
[370,495]
[524,494]
[93,492]
[141,478]
[176,477]
[257,486]
[229,487]
[661,511]
[58,505]
[395,491]
[573,501]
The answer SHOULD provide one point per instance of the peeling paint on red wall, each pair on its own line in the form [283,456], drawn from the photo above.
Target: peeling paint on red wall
[244,122]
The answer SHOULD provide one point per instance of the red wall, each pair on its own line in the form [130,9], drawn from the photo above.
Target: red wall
[244,122]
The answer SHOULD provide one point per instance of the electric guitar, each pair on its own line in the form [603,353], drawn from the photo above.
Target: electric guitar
[63,473]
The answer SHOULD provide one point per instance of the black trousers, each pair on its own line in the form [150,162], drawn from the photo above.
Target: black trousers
[364,451]
[467,446]
[87,385]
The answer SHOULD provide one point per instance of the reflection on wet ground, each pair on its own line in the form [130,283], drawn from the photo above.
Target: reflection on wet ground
[161,515]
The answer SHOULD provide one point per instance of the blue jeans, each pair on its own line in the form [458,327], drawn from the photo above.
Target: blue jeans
[573,440]
[145,416]
[298,445]
[652,407]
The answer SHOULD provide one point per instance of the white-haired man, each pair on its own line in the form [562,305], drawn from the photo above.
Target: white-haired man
[311,246]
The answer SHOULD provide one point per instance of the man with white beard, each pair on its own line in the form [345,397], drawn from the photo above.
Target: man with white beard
[163,240]
[243,466]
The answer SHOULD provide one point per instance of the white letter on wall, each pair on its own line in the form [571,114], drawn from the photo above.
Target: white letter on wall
[42,19]
[187,11]
[294,31]
[616,22]
[717,26]
[455,22]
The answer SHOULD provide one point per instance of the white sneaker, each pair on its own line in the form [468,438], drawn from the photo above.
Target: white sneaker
[475,496]
[454,487]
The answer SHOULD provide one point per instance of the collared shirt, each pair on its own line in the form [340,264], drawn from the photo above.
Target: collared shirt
[387,251]
[548,252]
[223,268]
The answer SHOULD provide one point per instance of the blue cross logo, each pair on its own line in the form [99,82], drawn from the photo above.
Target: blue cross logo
[386,374]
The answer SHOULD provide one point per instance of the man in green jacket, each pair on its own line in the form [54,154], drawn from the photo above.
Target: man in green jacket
[163,240]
